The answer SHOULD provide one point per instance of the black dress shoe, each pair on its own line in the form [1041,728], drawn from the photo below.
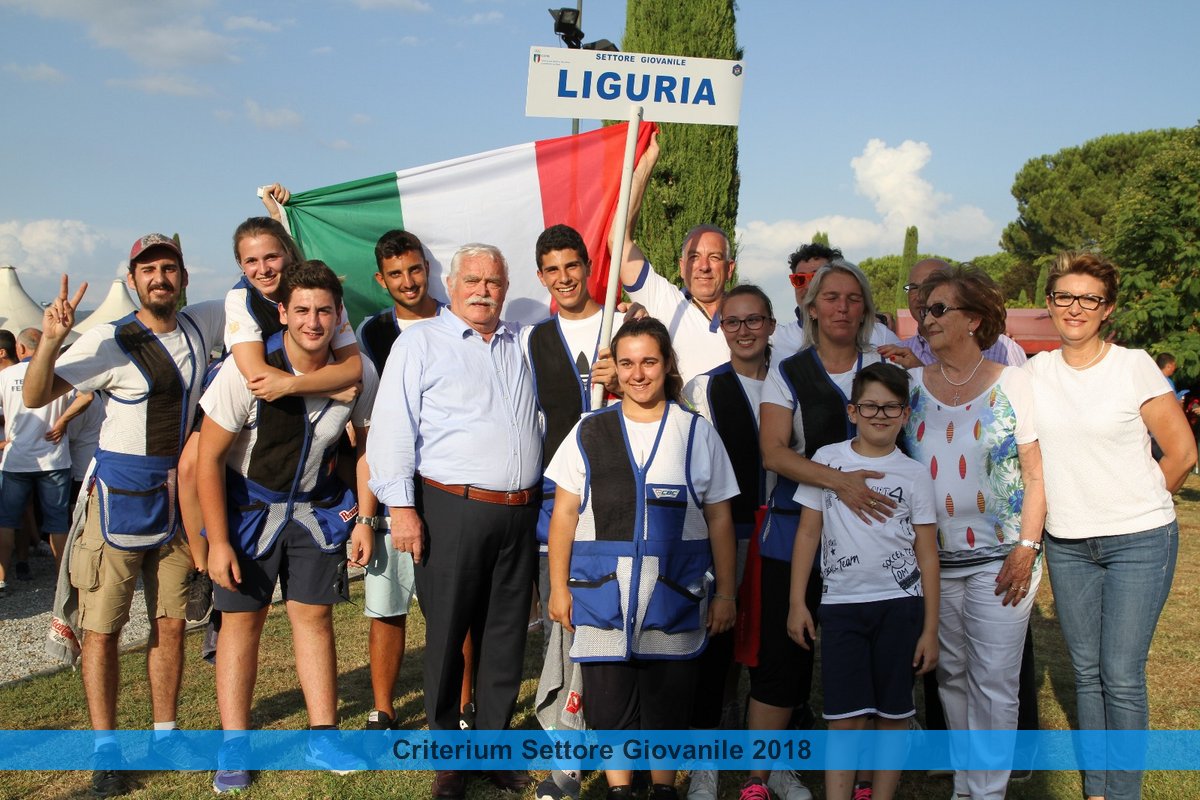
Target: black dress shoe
[449,784]
[509,780]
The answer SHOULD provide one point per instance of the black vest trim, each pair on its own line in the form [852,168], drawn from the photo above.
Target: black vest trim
[734,420]
[166,397]
[557,386]
[282,432]
[379,333]
[614,491]
[822,404]
[264,311]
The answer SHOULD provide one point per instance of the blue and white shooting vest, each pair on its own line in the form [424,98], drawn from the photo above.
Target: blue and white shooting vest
[641,564]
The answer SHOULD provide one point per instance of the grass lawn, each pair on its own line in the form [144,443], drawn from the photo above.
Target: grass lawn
[57,701]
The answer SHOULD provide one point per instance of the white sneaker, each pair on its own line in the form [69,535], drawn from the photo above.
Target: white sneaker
[787,786]
[703,784]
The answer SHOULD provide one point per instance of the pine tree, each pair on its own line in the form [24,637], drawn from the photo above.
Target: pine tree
[696,179]
[907,261]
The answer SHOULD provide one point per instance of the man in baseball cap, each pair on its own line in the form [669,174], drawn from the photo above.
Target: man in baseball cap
[148,369]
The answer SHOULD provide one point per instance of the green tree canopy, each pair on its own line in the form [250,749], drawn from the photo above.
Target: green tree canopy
[884,272]
[1153,235]
[1062,198]
[696,179]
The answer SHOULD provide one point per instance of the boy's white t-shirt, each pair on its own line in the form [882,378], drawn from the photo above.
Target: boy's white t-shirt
[1101,479]
[861,562]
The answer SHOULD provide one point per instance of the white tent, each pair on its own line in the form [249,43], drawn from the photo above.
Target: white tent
[17,309]
[115,305]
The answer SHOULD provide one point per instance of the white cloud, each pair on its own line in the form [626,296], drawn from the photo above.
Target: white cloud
[410,41]
[339,144]
[323,50]
[48,246]
[399,5]
[272,118]
[250,24]
[360,119]
[159,35]
[890,178]
[43,73]
[176,85]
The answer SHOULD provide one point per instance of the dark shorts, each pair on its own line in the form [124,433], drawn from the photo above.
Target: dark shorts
[306,574]
[866,657]
[783,677]
[639,695]
[52,487]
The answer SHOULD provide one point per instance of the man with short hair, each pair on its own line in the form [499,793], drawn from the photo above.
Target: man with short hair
[915,351]
[692,316]
[274,512]
[460,406]
[803,265]
[403,271]
[149,367]
[35,459]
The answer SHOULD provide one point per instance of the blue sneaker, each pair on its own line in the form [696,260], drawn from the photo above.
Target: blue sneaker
[232,775]
[325,751]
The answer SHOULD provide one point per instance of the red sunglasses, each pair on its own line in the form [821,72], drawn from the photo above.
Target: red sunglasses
[800,279]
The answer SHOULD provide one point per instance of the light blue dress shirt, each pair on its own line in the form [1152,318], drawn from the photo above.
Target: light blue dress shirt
[455,409]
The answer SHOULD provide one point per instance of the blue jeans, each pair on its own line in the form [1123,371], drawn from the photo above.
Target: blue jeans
[1109,592]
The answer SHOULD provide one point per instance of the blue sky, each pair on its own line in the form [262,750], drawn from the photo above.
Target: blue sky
[858,118]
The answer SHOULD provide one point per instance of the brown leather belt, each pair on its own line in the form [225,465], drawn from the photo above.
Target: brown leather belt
[520,498]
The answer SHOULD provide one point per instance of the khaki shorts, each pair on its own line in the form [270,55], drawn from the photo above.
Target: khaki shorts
[107,576]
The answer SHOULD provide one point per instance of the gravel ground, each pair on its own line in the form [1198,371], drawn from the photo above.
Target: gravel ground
[25,618]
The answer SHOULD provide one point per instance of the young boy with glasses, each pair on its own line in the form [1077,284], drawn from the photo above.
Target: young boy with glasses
[879,611]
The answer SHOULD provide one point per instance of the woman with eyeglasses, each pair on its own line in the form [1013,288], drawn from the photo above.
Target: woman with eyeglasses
[729,398]
[972,426]
[803,409]
[1112,534]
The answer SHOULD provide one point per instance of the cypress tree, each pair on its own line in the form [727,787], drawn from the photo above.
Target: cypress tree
[1043,276]
[821,237]
[907,261]
[181,303]
[696,179]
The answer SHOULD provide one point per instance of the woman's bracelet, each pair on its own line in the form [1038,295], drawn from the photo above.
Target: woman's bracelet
[724,597]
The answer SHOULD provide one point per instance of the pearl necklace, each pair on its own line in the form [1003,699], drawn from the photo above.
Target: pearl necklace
[1095,358]
[942,369]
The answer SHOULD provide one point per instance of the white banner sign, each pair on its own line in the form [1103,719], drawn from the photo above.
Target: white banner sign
[589,84]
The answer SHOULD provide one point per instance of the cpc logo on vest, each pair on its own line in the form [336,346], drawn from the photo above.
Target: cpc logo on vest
[665,494]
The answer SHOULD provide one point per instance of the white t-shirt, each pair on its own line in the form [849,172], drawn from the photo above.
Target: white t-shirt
[711,471]
[231,404]
[581,335]
[241,326]
[860,562]
[96,363]
[84,431]
[1100,477]
[970,451]
[696,394]
[27,449]
[789,338]
[698,341]
[777,391]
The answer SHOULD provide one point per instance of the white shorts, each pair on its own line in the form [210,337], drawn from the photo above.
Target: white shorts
[388,584]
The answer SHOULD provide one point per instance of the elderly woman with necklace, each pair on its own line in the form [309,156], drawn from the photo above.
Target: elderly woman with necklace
[972,425]
[1113,536]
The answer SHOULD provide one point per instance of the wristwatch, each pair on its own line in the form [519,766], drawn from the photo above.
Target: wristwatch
[1031,544]
[368,521]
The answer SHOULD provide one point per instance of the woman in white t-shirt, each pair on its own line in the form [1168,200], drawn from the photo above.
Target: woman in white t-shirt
[641,530]
[1113,537]
[972,427]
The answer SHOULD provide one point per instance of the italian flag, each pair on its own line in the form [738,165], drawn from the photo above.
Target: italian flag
[503,197]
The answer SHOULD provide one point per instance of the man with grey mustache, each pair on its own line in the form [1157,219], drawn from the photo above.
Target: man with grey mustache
[457,459]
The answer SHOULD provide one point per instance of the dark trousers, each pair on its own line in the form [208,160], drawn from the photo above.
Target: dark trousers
[476,575]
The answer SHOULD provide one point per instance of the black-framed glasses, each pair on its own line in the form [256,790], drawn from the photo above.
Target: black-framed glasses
[753,322]
[910,287]
[1088,302]
[872,410]
[938,310]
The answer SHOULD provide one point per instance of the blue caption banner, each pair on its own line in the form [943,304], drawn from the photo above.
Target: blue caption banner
[726,750]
